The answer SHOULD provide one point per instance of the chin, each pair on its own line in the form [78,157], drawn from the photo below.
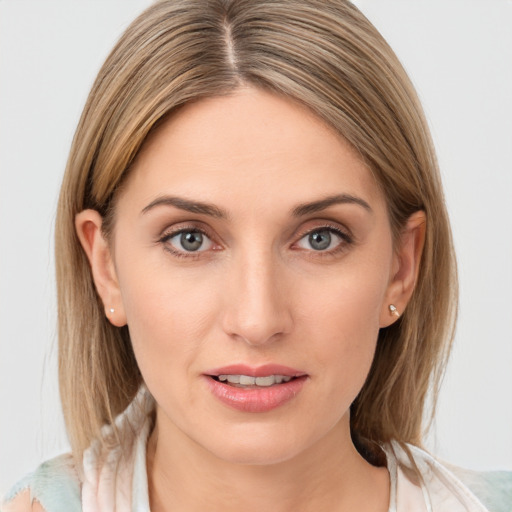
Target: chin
[249,455]
[258,447]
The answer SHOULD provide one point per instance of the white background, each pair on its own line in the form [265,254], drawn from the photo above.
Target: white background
[459,55]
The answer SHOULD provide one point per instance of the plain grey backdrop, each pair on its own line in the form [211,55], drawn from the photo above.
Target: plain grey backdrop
[459,55]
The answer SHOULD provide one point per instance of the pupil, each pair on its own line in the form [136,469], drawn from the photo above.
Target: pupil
[320,240]
[191,241]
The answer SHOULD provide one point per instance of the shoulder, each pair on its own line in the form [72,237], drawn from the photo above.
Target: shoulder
[53,487]
[22,503]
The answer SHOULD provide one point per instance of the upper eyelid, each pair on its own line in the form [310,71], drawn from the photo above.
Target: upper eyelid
[173,231]
[170,232]
[346,233]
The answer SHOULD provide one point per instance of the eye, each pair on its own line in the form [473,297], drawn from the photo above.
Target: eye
[188,240]
[323,239]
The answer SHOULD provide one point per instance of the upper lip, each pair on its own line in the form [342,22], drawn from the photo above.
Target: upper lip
[256,371]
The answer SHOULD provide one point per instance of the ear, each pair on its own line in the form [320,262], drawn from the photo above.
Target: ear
[88,227]
[406,264]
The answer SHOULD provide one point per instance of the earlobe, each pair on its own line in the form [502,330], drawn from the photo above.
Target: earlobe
[405,268]
[88,228]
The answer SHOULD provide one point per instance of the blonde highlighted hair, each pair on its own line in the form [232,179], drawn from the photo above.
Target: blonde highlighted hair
[322,53]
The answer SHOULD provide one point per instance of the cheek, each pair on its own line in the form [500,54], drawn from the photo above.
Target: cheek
[168,313]
[341,317]
[346,301]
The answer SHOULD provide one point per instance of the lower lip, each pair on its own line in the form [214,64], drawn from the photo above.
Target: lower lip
[256,400]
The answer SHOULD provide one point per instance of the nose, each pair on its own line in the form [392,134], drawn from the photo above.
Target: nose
[257,308]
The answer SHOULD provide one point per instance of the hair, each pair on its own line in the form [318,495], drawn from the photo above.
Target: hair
[322,53]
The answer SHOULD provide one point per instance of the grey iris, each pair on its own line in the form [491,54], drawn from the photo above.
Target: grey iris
[320,240]
[191,240]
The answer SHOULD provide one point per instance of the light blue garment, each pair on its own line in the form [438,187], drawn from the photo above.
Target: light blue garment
[54,484]
[493,488]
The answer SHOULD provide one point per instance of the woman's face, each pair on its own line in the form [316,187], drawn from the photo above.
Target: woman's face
[251,240]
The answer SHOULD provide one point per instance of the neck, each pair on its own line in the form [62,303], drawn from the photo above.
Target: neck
[330,475]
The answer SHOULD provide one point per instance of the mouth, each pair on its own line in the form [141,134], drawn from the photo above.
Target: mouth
[255,389]
[242,375]
[249,382]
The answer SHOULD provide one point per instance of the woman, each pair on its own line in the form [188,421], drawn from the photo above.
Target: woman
[262,272]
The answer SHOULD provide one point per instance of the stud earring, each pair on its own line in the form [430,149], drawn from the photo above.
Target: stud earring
[112,310]
[393,311]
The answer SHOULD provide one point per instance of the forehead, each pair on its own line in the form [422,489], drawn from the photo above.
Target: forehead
[252,147]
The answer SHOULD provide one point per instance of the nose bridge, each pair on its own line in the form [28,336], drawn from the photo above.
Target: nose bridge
[256,309]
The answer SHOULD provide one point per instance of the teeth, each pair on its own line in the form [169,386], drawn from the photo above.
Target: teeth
[246,380]
[266,381]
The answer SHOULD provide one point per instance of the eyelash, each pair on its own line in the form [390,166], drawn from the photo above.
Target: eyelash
[346,240]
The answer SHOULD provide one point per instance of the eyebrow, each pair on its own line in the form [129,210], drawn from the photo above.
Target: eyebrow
[188,205]
[322,204]
[218,213]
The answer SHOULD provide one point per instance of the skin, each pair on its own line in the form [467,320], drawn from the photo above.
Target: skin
[256,292]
